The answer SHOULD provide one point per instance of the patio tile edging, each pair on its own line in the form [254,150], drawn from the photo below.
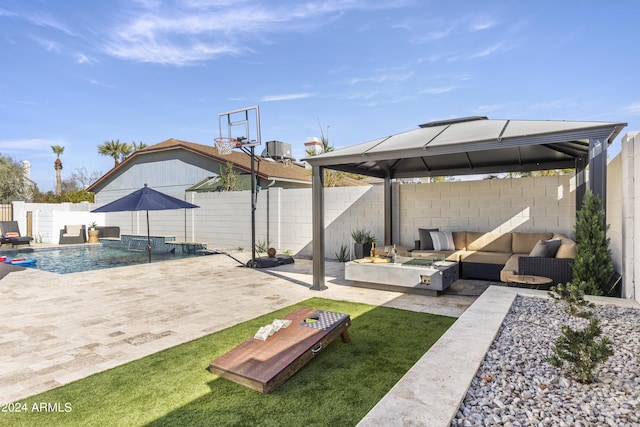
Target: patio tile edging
[433,389]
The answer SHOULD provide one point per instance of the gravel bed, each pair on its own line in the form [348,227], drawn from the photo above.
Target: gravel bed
[516,386]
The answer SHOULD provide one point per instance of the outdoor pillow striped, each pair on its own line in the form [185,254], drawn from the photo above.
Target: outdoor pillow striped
[442,240]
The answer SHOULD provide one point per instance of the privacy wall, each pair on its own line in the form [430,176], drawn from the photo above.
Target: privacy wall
[283,216]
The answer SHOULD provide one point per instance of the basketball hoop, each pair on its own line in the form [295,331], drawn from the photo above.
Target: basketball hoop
[225,145]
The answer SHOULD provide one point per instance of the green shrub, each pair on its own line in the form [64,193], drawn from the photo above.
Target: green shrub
[593,264]
[582,349]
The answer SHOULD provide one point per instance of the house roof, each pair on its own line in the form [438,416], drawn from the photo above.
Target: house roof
[265,168]
[472,145]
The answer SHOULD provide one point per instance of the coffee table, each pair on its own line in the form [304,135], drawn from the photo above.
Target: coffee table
[428,277]
[529,281]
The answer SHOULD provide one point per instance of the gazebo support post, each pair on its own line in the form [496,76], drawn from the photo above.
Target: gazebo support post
[581,180]
[598,169]
[317,218]
[597,162]
[388,211]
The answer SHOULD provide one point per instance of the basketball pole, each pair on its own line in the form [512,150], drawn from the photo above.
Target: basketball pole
[253,209]
[251,153]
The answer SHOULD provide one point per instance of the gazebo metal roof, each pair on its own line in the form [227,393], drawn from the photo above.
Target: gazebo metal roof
[467,146]
[472,145]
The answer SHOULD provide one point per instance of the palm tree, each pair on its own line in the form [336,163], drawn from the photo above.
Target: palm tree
[57,165]
[116,149]
[138,146]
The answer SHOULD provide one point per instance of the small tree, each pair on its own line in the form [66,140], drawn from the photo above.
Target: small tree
[582,349]
[228,178]
[13,185]
[593,264]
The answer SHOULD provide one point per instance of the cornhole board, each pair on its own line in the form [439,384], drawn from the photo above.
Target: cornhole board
[266,365]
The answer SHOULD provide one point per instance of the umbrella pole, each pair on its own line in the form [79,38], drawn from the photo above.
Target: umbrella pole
[148,238]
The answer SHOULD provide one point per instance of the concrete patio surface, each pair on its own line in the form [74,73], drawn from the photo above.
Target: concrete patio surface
[56,329]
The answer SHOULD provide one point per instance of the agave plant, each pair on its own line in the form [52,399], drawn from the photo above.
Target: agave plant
[362,236]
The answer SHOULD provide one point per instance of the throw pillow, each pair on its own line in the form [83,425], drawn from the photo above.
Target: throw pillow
[442,240]
[426,243]
[12,234]
[546,248]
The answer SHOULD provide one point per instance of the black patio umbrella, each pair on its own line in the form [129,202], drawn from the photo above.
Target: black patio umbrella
[145,199]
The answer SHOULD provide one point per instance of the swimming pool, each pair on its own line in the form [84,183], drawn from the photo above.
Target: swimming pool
[86,258]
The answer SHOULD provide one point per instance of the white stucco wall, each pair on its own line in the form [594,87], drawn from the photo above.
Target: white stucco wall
[630,164]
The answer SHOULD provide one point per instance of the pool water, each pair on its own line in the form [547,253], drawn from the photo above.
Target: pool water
[74,260]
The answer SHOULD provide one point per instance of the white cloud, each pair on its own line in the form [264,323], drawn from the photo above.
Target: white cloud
[49,45]
[191,31]
[438,90]
[42,20]
[363,95]
[487,51]
[26,145]
[484,109]
[286,97]
[81,58]
[385,77]
[481,25]
[634,108]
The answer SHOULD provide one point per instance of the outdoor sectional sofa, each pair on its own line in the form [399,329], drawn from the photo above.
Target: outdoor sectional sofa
[495,256]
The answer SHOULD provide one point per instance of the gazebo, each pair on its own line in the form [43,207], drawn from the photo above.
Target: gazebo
[466,146]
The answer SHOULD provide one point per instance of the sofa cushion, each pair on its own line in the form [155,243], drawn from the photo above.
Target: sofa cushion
[511,267]
[546,248]
[567,247]
[489,242]
[460,240]
[72,230]
[523,243]
[426,243]
[485,257]
[442,240]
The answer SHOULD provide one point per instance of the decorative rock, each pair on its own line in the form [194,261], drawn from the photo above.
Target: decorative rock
[526,390]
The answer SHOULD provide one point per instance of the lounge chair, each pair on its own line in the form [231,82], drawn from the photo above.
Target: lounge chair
[71,234]
[11,234]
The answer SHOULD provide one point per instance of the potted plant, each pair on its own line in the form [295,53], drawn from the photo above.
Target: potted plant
[93,226]
[363,241]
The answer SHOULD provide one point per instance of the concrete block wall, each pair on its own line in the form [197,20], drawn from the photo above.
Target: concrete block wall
[503,205]
[525,204]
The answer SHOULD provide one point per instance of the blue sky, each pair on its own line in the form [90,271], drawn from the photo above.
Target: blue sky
[78,73]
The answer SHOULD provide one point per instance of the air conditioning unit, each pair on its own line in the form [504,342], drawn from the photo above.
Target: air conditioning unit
[279,150]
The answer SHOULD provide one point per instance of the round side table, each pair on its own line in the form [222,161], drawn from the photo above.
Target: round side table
[529,281]
[93,236]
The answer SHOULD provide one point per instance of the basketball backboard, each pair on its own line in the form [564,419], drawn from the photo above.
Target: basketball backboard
[242,124]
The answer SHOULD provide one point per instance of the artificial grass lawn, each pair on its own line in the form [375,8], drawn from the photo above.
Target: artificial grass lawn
[173,387]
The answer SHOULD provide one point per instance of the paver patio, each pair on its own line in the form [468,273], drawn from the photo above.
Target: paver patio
[60,328]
